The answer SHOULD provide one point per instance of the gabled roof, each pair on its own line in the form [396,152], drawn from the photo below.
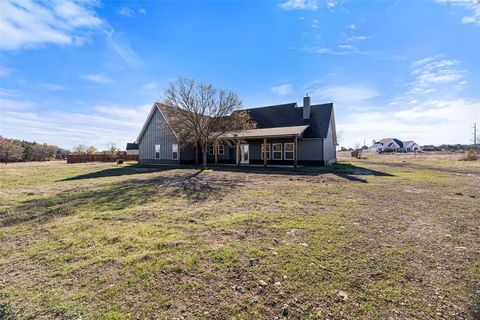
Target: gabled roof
[164,110]
[289,115]
[132,146]
[409,143]
[400,143]
[388,142]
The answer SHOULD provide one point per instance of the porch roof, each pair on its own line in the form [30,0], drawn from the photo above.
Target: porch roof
[267,132]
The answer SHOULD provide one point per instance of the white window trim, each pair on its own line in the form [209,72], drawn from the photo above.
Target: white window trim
[285,151]
[174,144]
[269,151]
[155,155]
[273,151]
[222,148]
[211,150]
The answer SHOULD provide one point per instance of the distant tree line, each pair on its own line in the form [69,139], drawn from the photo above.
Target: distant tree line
[14,150]
[83,149]
[448,147]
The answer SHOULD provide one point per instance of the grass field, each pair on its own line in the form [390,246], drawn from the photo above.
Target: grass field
[387,237]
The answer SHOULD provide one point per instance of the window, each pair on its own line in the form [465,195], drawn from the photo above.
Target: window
[157,151]
[221,149]
[211,149]
[277,151]
[268,151]
[175,151]
[289,151]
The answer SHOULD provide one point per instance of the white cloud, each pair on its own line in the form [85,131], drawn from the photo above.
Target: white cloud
[12,100]
[352,26]
[436,121]
[283,89]
[52,86]
[347,46]
[98,78]
[347,95]
[358,38]
[126,11]
[331,4]
[321,50]
[5,72]
[315,23]
[432,72]
[299,4]
[471,5]
[123,48]
[129,12]
[31,121]
[28,24]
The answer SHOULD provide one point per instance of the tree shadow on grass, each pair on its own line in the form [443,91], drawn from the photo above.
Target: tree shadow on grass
[345,171]
[121,171]
[192,186]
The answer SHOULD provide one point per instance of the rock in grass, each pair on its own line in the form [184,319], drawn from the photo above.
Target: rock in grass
[262,283]
[343,295]
[285,310]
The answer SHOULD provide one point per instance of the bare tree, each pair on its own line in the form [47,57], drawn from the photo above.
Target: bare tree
[340,136]
[91,150]
[112,150]
[43,152]
[9,151]
[80,149]
[203,113]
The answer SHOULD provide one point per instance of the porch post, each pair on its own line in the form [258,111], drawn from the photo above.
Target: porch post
[295,142]
[238,153]
[264,152]
[215,150]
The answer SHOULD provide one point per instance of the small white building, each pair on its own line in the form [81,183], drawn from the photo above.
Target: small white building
[132,149]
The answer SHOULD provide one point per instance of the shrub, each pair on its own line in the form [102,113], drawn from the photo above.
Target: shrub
[471,155]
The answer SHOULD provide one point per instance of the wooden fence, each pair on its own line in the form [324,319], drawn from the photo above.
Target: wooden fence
[79,158]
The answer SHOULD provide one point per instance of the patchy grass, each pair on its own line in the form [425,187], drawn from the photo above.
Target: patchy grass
[382,237]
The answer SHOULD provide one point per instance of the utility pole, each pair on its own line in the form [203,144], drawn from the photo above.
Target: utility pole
[475,135]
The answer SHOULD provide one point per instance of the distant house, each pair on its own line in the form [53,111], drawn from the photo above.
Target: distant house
[410,146]
[285,134]
[392,144]
[132,149]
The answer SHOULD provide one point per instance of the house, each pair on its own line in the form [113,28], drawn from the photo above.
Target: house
[392,144]
[132,149]
[285,134]
[410,146]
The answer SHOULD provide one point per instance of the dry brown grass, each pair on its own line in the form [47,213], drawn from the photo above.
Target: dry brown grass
[398,236]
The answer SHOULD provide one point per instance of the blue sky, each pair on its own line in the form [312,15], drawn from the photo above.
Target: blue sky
[88,72]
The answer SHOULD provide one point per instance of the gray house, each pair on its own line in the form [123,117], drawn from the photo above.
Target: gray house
[285,135]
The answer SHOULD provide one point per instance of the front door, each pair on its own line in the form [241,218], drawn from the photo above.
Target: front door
[244,154]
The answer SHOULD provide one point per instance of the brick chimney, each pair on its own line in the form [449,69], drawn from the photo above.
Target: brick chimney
[306,107]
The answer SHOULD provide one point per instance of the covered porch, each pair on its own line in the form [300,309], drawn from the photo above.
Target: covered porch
[272,146]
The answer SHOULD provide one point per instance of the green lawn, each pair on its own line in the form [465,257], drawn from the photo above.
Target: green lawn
[378,238]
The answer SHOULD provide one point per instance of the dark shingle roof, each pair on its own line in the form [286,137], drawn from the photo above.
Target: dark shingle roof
[400,143]
[289,115]
[132,146]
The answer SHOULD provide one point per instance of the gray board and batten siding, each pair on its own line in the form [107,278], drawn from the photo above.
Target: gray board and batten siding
[157,132]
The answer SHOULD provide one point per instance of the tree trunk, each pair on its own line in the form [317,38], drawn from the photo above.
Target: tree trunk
[205,150]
